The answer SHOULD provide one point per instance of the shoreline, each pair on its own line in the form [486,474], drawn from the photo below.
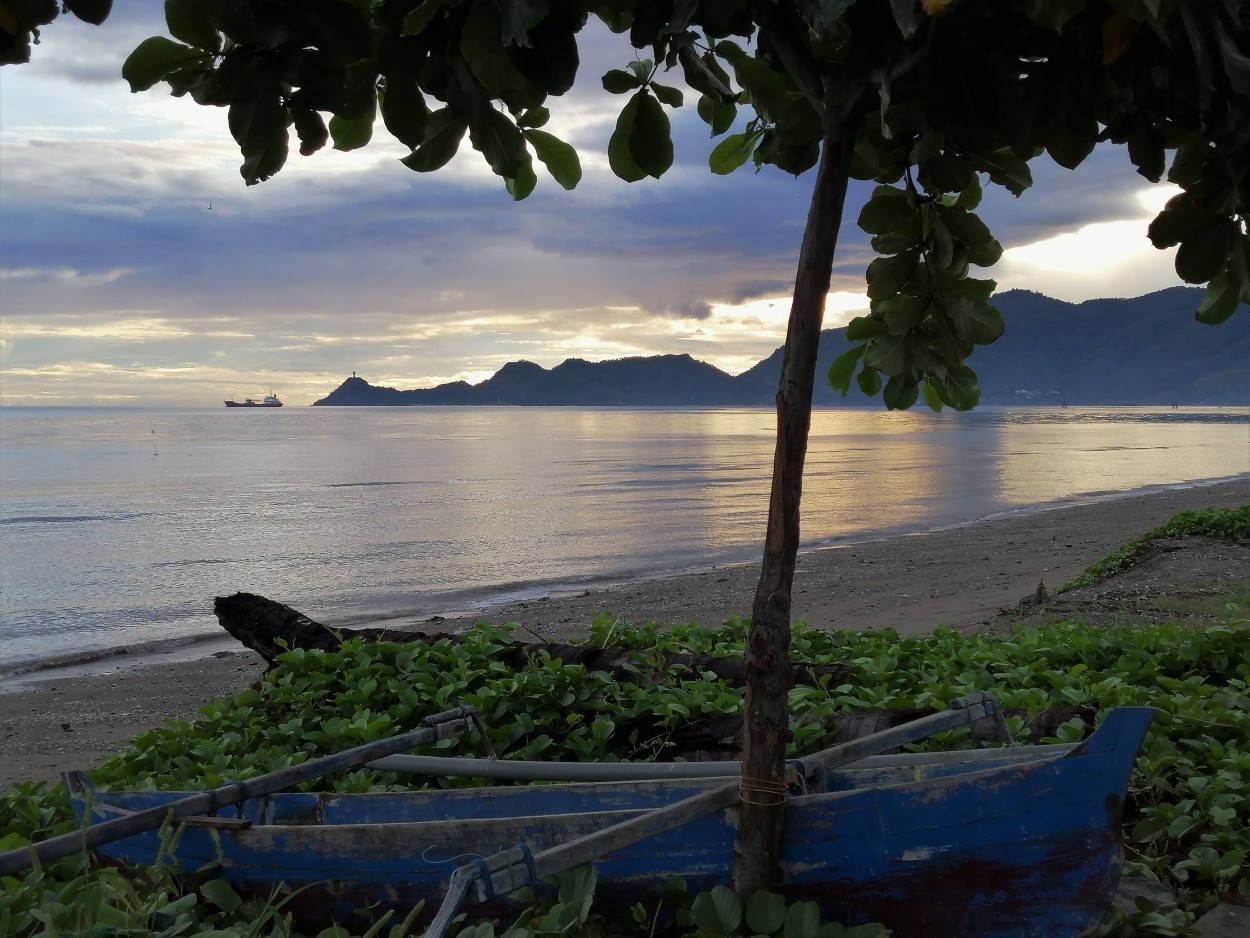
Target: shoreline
[521,597]
[75,716]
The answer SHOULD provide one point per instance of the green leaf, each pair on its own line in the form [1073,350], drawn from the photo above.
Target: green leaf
[643,69]
[496,137]
[889,208]
[717,114]
[221,894]
[650,140]
[1146,148]
[559,157]
[619,81]
[157,57]
[667,95]
[258,124]
[902,312]
[958,388]
[443,134]
[946,172]
[192,26]
[534,117]
[94,12]
[352,133]
[901,239]
[620,153]
[970,198]
[887,275]
[763,86]
[523,184]
[889,355]
[1203,252]
[932,399]
[480,41]
[518,17]
[1007,170]
[1069,128]
[731,153]
[416,22]
[310,127]
[843,368]
[865,161]
[863,328]
[973,318]
[869,380]
[900,393]
[404,111]
[705,75]
[766,912]
[717,911]
[983,249]
[802,920]
[1219,302]
[940,243]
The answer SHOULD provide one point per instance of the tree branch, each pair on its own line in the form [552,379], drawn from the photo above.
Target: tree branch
[784,33]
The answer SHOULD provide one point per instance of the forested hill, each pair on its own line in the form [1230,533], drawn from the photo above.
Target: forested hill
[1147,350]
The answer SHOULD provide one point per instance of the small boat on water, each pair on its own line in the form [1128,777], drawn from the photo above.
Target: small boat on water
[269,400]
[986,843]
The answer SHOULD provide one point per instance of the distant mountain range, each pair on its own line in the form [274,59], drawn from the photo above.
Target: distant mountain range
[1147,350]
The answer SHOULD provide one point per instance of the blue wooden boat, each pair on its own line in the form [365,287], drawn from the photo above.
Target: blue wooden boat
[989,843]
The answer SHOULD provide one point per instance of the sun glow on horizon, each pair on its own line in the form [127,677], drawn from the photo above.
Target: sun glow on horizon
[1076,264]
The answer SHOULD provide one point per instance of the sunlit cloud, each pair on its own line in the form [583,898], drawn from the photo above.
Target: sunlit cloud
[1114,255]
[129,330]
[139,267]
[65,275]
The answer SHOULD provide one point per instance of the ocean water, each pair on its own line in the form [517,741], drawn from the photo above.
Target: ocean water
[118,527]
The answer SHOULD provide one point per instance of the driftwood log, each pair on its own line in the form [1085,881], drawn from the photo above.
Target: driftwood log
[269,628]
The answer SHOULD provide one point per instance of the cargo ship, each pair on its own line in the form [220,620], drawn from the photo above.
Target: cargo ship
[270,400]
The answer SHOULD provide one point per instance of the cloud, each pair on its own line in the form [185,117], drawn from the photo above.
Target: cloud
[65,274]
[131,244]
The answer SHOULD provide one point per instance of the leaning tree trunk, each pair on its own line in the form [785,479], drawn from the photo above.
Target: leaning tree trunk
[768,645]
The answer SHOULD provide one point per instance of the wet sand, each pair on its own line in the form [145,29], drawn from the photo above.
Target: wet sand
[74,718]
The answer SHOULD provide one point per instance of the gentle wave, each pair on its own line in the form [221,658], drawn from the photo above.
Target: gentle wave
[66,519]
[356,515]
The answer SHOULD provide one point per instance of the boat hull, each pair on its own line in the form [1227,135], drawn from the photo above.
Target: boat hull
[988,844]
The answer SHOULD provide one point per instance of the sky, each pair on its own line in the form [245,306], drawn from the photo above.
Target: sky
[136,268]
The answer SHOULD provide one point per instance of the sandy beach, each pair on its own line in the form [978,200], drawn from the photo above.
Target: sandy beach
[53,721]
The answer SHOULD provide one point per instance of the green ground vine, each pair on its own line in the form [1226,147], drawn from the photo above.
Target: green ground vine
[1227,523]
[1187,823]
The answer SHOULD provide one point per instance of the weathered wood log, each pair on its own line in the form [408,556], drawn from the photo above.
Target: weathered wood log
[269,627]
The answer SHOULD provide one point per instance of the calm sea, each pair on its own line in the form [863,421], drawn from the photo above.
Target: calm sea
[119,526]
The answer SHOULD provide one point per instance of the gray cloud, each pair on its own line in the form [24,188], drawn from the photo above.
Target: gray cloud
[132,287]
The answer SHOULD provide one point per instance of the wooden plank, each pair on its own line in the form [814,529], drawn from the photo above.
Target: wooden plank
[514,868]
[440,726]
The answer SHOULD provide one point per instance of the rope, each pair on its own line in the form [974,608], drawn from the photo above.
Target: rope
[774,792]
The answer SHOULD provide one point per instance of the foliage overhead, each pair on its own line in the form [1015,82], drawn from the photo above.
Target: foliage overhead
[20,21]
[943,97]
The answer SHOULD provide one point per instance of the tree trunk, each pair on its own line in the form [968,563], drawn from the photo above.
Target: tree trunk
[768,646]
